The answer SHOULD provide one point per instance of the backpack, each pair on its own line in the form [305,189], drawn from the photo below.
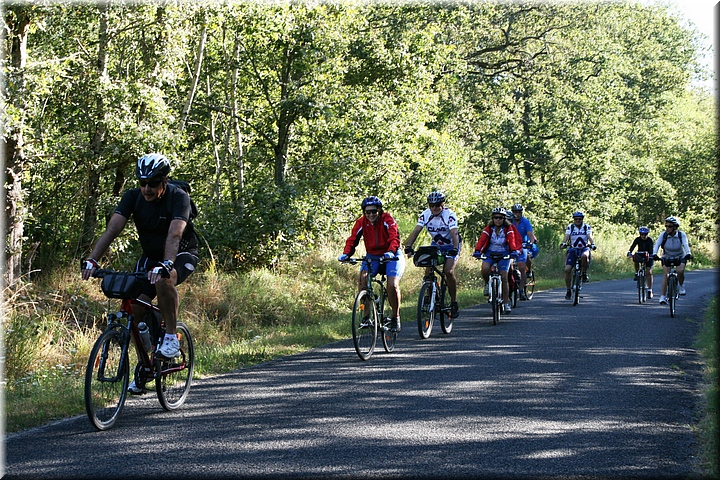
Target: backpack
[185,186]
[665,237]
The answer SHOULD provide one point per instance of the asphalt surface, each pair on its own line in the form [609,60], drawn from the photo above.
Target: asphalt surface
[607,388]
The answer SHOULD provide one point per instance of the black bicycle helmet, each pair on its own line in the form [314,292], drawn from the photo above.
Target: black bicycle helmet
[517,208]
[436,197]
[152,165]
[673,221]
[499,210]
[371,200]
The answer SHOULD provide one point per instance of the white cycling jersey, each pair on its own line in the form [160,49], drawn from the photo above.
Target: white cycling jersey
[439,226]
[578,235]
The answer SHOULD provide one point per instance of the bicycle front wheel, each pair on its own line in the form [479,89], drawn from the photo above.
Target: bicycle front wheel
[173,381]
[672,294]
[106,380]
[496,300]
[364,325]
[577,283]
[641,287]
[530,285]
[425,314]
[446,320]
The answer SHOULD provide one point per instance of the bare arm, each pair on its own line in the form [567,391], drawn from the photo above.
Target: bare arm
[115,226]
[413,236]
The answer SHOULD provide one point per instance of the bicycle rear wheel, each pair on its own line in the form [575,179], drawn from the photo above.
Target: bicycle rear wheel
[672,294]
[106,380]
[530,285]
[495,299]
[446,320]
[577,283]
[425,314]
[173,381]
[364,325]
[389,336]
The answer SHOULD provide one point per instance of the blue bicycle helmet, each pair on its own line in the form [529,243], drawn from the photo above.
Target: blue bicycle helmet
[371,200]
[517,208]
[644,229]
[578,214]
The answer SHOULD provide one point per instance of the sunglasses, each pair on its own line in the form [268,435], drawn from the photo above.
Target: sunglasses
[150,183]
[371,212]
[669,226]
[498,218]
[435,205]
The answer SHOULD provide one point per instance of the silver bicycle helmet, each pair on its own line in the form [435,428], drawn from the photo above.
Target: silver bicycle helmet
[673,221]
[436,197]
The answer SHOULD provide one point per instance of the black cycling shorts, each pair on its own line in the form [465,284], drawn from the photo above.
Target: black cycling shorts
[184,263]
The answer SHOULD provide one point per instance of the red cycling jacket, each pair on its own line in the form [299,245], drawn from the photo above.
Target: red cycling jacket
[379,238]
[512,236]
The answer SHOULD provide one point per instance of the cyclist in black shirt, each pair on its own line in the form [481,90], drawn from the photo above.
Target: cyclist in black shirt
[161,212]
[644,243]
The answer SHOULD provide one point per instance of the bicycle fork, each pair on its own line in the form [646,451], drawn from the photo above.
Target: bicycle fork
[433,295]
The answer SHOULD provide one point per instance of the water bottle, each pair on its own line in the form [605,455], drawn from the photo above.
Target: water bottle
[145,336]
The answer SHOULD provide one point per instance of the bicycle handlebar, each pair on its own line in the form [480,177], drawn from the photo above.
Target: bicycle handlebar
[353,261]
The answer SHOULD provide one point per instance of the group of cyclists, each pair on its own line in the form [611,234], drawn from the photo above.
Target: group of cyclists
[508,232]
[676,251]
[161,212]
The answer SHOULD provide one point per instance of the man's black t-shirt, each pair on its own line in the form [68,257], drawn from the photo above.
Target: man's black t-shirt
[152,220]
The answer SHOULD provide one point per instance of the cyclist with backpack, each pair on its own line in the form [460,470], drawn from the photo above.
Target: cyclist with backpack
[442,226]
[644,243]
[381,236]
[500,236]
[524,227]
[578,235]
[162,213]
[674,244]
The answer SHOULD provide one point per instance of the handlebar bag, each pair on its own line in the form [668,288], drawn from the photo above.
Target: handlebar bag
[121,285]
[427,256]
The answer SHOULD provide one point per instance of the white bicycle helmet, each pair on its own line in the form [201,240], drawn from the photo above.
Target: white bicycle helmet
[152,165]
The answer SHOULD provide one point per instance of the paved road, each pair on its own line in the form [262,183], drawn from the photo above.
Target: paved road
[608,388]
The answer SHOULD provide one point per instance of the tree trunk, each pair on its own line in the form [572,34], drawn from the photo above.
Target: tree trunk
[97,137]
[18,23]
[196,77]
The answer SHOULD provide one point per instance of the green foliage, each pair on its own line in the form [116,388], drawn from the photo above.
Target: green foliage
[301,110]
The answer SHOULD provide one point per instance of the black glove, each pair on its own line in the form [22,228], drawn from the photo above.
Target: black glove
[593,246]
[452,252]
[409,250]
[563,245]
[656,258]
[688,257]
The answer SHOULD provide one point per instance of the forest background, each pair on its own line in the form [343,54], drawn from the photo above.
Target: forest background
[283,116]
